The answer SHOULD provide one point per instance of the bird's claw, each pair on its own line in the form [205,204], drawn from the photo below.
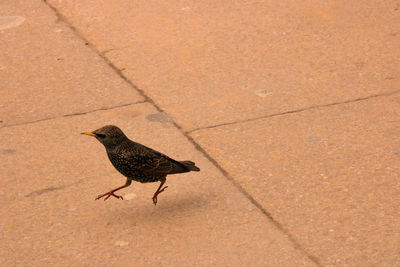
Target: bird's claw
[107,195]
[157,193]
[155,200]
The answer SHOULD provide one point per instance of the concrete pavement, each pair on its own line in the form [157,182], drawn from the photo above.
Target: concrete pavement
[290,110]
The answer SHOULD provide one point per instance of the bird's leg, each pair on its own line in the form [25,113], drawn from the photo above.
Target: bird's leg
[111,193]
[159,190]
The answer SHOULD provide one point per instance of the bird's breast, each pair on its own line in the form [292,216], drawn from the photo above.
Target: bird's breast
[122,165]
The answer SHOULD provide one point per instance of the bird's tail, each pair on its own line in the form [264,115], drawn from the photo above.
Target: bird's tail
[190,165]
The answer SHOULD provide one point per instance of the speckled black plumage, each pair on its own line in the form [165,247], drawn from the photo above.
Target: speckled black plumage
[136,161]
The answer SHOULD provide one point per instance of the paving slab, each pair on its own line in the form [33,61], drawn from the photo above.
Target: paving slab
[330,176]
[47,71]
[51,175]
[214,62]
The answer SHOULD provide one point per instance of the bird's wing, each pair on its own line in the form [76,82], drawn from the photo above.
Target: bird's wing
[150,161]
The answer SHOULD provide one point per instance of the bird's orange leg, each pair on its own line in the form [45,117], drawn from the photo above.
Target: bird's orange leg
[111,193]
[159,190]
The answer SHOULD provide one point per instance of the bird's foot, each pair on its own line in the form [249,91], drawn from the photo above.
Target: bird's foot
[157,193]
[109,194]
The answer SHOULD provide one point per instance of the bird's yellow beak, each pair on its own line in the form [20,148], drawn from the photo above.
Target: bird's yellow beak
[89,133]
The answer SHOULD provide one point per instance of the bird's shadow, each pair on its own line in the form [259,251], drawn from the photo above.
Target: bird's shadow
[172,208]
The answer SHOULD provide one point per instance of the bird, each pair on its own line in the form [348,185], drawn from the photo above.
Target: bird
[136,161]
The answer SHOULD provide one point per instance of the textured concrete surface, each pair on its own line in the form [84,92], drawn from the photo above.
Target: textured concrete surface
[46,71]
[213,62]
[54,174]
[291,110]
[331,176]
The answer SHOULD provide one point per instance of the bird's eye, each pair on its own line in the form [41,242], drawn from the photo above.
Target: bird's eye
[101,135]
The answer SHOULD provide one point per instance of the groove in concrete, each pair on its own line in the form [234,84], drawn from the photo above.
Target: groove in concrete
[278,225]
[296,111]
[63,19]
[295,243]
[72,114]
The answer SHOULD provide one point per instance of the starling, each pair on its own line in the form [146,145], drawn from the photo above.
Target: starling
[136,161]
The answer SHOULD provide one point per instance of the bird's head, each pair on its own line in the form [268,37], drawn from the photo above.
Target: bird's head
[109,135]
